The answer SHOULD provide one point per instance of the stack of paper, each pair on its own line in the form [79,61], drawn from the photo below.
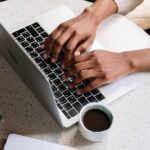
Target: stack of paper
[18,142]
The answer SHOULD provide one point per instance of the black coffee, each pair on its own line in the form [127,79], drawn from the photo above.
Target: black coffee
[96,120]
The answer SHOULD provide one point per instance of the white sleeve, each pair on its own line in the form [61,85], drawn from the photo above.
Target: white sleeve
[125,6]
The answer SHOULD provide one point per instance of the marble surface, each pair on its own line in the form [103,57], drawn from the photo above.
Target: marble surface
[26,116]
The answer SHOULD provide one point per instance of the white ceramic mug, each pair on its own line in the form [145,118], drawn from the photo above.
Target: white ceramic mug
[91,135]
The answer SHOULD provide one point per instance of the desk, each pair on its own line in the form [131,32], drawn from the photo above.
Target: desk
[26,116]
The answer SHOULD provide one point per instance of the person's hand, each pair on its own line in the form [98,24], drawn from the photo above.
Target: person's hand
[75,36]
[99,67]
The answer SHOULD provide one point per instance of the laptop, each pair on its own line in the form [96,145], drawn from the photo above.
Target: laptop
[20,46]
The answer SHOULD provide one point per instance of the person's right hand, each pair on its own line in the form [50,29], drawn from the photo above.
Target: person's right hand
[74,35]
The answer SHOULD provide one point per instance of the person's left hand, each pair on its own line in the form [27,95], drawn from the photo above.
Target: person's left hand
[100,67]
[74,35]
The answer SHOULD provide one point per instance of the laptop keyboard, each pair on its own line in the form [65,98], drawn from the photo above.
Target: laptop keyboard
[67,100]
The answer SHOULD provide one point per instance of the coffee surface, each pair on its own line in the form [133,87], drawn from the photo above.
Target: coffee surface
[96,120]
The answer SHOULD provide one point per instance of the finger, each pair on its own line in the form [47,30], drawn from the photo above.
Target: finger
[59,43]
[79,67]
[83,46]
[77,59]
[84,75]
[71,45]
[92,85]
[51,38]
[44,43]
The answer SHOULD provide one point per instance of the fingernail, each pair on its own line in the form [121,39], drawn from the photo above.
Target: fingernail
[42,46]
[53,60]
[45,56]
[78,92]
[77,53]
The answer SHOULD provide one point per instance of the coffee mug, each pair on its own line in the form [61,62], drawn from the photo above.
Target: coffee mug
[95,121]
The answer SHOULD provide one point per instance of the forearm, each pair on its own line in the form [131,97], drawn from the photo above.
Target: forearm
[139,60]
[102,9]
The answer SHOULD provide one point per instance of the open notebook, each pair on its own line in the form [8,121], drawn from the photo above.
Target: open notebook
[18,142]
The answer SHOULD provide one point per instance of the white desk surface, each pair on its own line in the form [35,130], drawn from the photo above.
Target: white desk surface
[25,115]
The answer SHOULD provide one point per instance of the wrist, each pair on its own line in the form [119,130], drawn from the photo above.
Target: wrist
[131,62]
[101,9]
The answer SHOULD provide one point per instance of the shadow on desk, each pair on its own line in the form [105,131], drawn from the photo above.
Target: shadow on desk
[23,113]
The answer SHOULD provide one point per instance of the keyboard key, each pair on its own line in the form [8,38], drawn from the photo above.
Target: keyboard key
[34,44]
[48,61]
[76,95]
[20,39]
[29,49]
[77,106]
[33,54]
[42,65]
[47,70]
[60,107]
[40,30]
[57,82]
[66,93]
[44,35]
[66,114]
[67,106]
[52,76]
[88,94]
[95,91]
[26,34]
[57,94]
[32,31]
[83,101]
[99,97]
[92,99]
[22,30]
[57,71]
[62,87]
[53,66]
[35,25]
[80,86]
[18,33]
[39,39]
[66,82]
[30,39]
[62,100]
[25,44]
[71,99]
[39,50]
[72,112]
[38,60]
[72,89]
[53,88]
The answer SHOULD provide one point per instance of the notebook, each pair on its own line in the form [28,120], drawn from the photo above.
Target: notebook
[19,142]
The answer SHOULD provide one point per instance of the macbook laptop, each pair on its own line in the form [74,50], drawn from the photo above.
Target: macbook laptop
[21,48]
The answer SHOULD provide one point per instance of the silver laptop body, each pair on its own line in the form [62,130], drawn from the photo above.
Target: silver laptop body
[39,82]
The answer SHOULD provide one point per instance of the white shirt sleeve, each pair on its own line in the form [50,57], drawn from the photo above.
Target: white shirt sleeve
[125,6]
